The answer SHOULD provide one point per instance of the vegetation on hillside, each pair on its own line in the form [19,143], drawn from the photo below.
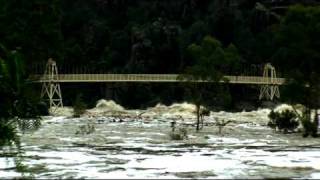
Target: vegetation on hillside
[201,39]
[143,36]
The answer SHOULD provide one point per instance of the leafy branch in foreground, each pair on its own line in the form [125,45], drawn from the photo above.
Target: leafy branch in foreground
[20,106]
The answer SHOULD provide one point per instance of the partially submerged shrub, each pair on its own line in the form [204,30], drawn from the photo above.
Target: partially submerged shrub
[7,133]
[25,109]
[284,121]
[309,127]
[43,109]
[79,107]
[221,124]
[180,135]
[86,129]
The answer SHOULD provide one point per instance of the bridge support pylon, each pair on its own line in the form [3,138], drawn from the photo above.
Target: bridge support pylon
[270,90]
[51,90]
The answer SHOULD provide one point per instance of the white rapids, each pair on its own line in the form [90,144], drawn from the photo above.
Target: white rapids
[136,144]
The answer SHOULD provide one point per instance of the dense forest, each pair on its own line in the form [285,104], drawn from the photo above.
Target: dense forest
[144,36]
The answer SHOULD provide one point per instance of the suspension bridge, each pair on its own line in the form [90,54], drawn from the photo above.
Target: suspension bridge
[51,81]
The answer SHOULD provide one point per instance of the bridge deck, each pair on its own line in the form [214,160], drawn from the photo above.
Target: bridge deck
[91,78]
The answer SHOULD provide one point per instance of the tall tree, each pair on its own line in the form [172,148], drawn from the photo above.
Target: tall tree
[298,45]
[211,62]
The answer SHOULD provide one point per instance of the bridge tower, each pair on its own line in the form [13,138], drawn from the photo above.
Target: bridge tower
[51,88]
[270,90]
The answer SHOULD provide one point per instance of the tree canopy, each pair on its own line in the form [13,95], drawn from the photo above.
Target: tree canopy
[163,36]
[298,53]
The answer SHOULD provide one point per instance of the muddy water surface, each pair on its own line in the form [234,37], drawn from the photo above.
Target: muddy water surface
[140,148]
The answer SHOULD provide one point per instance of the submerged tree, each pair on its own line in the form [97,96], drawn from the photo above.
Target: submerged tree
[79,107]
[298,50]
[211,62]
[283,121]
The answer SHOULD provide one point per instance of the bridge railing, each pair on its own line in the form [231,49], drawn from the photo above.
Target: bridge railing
[255,80]
[150,78]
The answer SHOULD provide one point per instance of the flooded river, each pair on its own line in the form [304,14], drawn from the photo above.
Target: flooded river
[107,147]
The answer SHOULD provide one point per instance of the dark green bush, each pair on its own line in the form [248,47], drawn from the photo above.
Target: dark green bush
[284,121]
[7,134]
[43,109]
[25,109]
[79,107]
[309,127]
[180,135]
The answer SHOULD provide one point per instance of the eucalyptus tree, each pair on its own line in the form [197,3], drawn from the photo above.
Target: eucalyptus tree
[211,62]
[298,52]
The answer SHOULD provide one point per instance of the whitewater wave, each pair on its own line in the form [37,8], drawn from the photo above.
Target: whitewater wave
[106,108]
[109,105]
[295,108]
[62,111]
[178,111]
[110,108]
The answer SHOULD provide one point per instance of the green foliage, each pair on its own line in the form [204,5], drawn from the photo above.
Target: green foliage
[19,102]
[206,57]
[141,35]
[7,134]
[42,109]
[156,36]
[309,127]
[297,42]
[36,30]
[79,107]
[17,94]
[284,121]
[211,62]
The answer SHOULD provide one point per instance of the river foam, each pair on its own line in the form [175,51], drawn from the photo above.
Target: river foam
[140,147]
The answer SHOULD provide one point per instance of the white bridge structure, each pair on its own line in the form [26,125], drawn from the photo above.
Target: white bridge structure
[51,80]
